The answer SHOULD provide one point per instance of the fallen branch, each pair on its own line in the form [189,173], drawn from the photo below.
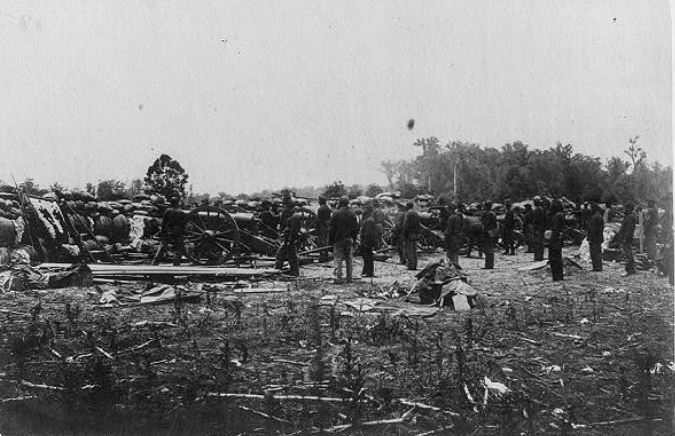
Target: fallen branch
[291,362]
[343,427]
[438,430]
[426,407]
[41,386]
[264,415]
[25,397]
[105,353]
[621,421]
[277,397]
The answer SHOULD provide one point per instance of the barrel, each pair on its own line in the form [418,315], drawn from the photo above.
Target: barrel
[120,228]
[7,232]
[103,225]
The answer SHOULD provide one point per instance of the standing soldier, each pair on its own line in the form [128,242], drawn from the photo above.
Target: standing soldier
[626,233]
[343,230]
[322,221]
[285,213]
[370,240]
[509,226]
[410,232]
[538,229]
[595,236]
[397,233]
[490,234]
[453,234]
[651,218]
[556,243]
[289,239]
[174,221]
[527,226]
[378,217]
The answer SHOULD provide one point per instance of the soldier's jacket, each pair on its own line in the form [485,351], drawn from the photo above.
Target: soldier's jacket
[595,228]
[627,230]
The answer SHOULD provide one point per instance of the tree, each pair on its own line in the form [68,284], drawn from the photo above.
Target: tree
[635,153]
[166,177]
[90,188]
[335,190]
[135,188]
[389,168]
[354,191]
[109,190]
[373,189]
[31,188]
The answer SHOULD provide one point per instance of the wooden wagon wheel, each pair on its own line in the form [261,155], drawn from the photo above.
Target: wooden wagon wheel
[308,238]
[211,235]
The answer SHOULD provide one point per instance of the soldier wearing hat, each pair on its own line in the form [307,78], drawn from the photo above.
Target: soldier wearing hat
[397,233]
[322,221]
[509,227]
[595,236]
[453,233]
[538,229]
[289,239]
[342,233]
[490,234]
[410,232]
[649,227]
[174,221]
[626,234]
[556,242]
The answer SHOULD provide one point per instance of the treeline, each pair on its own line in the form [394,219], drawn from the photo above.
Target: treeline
[476,173]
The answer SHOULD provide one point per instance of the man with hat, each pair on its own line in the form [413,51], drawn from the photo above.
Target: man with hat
[490,234]
[343,230]
[626,234]
[370,241]
[538,229]
[174,221]
[322,221]
[595,236]
[410,232]
[649,226]
[453,233]
[556,242]
[509,227]
[289,239]
[397,233]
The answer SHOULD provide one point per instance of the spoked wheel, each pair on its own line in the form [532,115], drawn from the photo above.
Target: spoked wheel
[307,239]
[211,236]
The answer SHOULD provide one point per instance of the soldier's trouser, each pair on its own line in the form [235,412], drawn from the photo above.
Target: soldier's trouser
[507,240]
[489,250]
[555,258]
[628,257]
[650,244]
[538,245]
[288,253]
[400,248]
[178,246]
[342,250]
[411,251]
[368,261]
[452,250]
[323,241]
[596,255]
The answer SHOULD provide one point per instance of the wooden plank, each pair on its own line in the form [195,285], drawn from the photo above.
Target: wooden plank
[107,270]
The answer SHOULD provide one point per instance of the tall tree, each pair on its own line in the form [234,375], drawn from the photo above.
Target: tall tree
[166,177]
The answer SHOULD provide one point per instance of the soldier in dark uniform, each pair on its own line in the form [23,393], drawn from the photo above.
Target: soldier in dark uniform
[289,238]
[509,226]
[527,226]
[397,233]
[626,233]
[651,219]
[174,221]
[595,236]
[410,232]
[322,221]
[453,234]
[538,229]
[286,213]
[556,243]
[370,240]
[490,234]
[269,220]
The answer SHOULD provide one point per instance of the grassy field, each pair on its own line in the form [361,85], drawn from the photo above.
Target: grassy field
[590,355]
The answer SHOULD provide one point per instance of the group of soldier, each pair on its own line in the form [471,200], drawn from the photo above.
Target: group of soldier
[340,230]
[542,216]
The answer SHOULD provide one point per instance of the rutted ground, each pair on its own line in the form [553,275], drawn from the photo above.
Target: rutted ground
[590,355]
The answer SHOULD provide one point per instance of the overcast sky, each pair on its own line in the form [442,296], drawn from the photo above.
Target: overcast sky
[255,94]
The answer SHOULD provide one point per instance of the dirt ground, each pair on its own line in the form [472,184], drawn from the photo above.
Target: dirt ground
[590,355]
